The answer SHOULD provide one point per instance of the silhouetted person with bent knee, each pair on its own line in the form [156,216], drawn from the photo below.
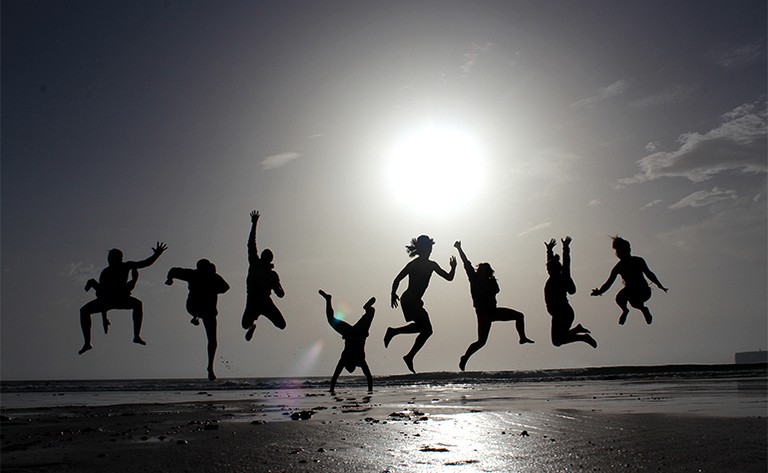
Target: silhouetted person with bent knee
[129,287]
[204,289]
[556,291]
[259,284]
[354,340]
[113,293]
[419,271]
[484,287]
[633,271]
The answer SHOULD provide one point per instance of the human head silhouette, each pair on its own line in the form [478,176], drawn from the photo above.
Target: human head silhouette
[485,270]
[554,266]
[114,256]
[421,246]
[621,246]
[267,256]
[206,266]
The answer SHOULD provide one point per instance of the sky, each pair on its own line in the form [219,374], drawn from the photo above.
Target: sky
[128,123]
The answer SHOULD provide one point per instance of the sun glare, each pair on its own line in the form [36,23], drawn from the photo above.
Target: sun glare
[436,169]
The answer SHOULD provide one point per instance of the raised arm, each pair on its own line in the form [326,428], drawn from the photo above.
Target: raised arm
[550,249]
[570,285]
[253,253]
[178,273]
[448,276]
[652,277]
[158,250]
[464,259]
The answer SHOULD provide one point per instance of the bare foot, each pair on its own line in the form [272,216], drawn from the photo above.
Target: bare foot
[591,341]
[580,329]
[211,376]
[409,363]
[523,341]
[324,294]
[85,348]
[388,337]
[138,340]
[623,316]
[249,333]
[462,362]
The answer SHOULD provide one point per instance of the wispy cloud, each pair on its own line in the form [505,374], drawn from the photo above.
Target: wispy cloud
[535,228]
[704,198]
[279,160]
[652,203]
[738,144]
[544,170]
[668,95]
[741,55]
[79,271]
[470,57]
[613,90]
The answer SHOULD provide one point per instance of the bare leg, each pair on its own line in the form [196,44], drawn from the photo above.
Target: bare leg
[85,326]
[622,300]
[392,331]
[105,322]
[421,339]
[138,318]
[483,329]
[210,332]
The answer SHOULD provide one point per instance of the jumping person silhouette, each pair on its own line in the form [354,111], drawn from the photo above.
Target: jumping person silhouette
[632,270]
[556,291]
[204,288]
[484,287]
[113,293]
[354,340]
[129,287]
[419,272]
[261,281]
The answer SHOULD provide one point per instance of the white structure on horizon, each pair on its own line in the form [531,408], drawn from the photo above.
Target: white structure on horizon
[751,357]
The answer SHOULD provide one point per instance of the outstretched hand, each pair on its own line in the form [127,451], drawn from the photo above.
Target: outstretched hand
[452,262]
[159,248]
[457,244]
[551,245]
[665,289]
[255,216]
[566,241]
[395,298]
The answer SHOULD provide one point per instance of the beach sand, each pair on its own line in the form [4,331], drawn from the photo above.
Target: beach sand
[386,432]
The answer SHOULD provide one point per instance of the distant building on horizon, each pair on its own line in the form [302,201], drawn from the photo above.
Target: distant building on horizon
[746,357]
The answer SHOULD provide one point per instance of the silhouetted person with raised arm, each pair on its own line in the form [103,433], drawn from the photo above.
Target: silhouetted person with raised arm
[259,284]
[204,285]
[556,291]
[633,271]
[484,287]
[419,271]
[92,283]
[354,340]
[113,293]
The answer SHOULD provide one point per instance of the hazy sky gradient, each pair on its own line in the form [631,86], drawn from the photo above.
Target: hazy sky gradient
[125,123]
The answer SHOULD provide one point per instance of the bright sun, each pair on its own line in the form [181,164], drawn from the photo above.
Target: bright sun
[436,170]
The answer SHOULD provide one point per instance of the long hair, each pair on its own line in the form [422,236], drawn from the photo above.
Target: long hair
[419,245]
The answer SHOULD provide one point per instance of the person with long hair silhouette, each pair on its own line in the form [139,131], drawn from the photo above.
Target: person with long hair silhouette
[556,290]
[114,293]
[354,337]
[483,287]
[129,287]
[204,285]
[633,271]
[419,271]
[261,281]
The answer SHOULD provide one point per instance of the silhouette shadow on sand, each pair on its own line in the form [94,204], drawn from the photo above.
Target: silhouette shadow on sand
[418,271]
[113,291]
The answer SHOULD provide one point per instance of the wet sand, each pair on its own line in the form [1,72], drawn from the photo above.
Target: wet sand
[386,432]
